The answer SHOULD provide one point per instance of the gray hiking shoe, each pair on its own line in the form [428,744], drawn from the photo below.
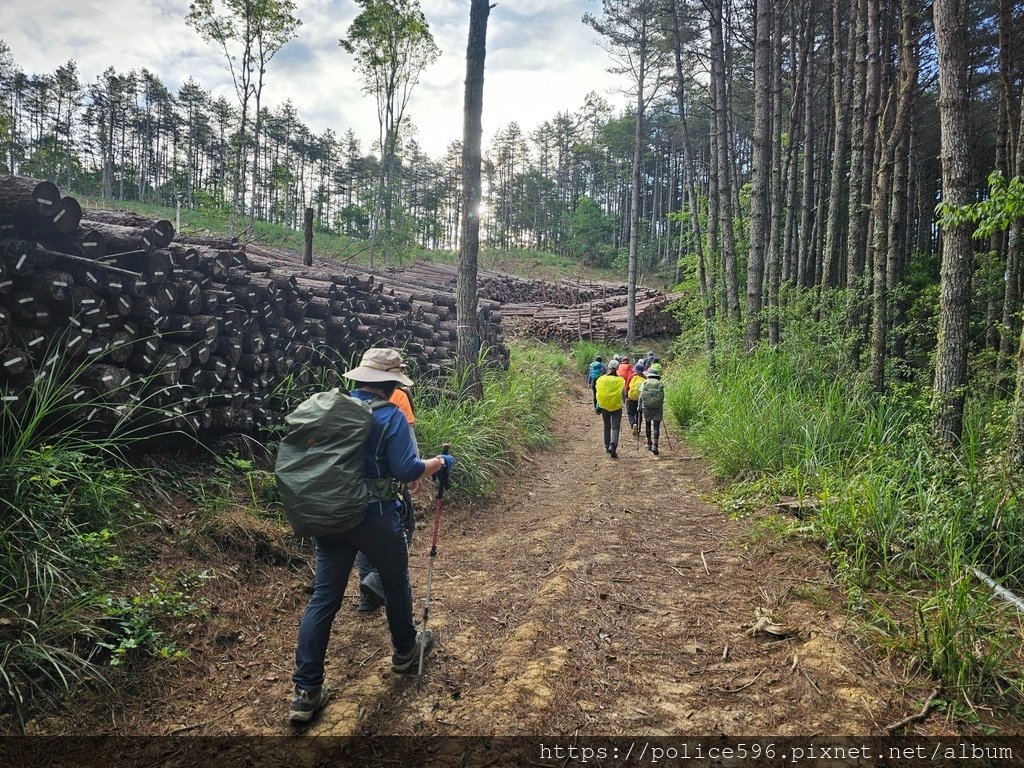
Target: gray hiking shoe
[409,662]
[368,604]
[305,706]
[654,450]
[372,589]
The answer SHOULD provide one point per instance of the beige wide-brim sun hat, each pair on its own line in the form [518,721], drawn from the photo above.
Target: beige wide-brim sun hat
[380,364]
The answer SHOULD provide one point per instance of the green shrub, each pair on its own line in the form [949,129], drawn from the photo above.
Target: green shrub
[903,518]
[488,436]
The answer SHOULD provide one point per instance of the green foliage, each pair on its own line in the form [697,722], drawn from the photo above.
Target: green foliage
[242,23]
[136,618]
[1003,206]
[584,352]
[66,495]
[589,230]
[903,518]
[488,436]
[392,44]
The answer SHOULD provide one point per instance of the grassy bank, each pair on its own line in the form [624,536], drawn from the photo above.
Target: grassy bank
[79,592]
[904,521]
[355,250]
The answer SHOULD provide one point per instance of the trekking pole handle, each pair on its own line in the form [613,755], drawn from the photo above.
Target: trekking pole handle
[442,478]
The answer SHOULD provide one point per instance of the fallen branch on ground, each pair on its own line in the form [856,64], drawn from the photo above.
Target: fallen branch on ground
[916,718]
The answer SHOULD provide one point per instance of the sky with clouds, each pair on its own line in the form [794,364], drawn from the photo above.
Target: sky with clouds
[541,59]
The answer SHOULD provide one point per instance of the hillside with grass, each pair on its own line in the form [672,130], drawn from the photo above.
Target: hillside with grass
[356,251]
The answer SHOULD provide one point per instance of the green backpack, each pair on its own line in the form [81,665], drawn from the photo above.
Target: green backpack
[320,470]
[653,393]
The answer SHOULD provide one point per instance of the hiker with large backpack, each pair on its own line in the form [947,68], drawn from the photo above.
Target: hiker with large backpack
[609,391]
[652,402]
[633,386]
[337,471]
[595,372]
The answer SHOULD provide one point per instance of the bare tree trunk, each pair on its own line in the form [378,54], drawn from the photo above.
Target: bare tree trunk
[881,247]
[803,254]
[468,343]
[774,258]
[1017,443]
[855,231]
[842,83]
[1011,297]
[706,281]
[634,206]
[760,211]
[955,296]
[725,192]
[714,248]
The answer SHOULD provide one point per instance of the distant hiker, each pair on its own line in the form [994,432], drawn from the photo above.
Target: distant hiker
[649,359]
[371,591]
[609,400]
[388,456]
[636,381]
[402,397]
[652,403]
[625,369]
[595,372]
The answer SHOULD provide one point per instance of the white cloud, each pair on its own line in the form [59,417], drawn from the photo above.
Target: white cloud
[541,59]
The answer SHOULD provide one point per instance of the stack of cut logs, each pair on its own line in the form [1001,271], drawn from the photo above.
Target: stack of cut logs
[564,311]
[193,330]
[152,327]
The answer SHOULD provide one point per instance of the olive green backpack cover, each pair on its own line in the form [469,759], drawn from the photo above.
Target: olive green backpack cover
[320,465]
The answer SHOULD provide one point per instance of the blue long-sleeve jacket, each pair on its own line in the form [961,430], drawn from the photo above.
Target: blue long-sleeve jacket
[390,451]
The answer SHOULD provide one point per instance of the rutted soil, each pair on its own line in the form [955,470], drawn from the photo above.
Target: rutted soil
[589,596]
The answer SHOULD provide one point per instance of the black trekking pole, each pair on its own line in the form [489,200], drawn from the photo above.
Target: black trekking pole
[664,425]
[442,486]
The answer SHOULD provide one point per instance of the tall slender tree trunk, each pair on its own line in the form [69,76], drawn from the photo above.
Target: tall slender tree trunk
[760,210]
[855,228]
[1009,330]
[804,268]
[881,243]
[774,257]
[725,192]
[467,331]
[714,249]
[634,206]
[841,84]
[950,382]
[706,280]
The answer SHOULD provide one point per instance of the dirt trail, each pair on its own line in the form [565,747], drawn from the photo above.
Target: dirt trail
[590,595]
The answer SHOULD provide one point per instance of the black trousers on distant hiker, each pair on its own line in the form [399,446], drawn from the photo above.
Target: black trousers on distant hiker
[612,421]
[633,413]
[654,415]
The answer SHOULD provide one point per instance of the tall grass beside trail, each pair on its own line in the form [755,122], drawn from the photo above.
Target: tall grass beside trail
[905,521]
[64,496]
[584,352]
[68,496]
[489,436]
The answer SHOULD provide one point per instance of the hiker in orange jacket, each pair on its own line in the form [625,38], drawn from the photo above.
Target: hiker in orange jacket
[625,370]
[371,590]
